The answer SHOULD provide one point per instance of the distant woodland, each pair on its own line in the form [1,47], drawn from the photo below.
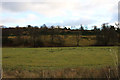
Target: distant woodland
[54,36]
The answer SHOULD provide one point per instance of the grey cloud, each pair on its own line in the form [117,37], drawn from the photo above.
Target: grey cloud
[14,6]
[19,6]
[45,8]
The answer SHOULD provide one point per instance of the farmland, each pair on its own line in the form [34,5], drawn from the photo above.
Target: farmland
[56,60]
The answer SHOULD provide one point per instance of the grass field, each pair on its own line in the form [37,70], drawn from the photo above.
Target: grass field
[16,60]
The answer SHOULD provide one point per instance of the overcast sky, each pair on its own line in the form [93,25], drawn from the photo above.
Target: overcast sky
[58,12]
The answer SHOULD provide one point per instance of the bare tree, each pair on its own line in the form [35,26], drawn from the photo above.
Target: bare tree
[78,37]
[52,34]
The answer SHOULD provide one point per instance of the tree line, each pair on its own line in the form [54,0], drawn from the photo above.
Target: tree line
[32,36]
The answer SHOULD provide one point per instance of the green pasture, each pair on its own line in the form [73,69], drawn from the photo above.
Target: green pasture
[59,57]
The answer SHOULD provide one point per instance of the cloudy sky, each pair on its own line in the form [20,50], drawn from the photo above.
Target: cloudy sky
[58,12]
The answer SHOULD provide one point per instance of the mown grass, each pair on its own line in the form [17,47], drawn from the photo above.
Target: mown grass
[59,58]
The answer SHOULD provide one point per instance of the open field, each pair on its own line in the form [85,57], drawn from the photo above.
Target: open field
[56,61]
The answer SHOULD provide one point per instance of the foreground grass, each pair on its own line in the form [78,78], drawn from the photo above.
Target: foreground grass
[62,59]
